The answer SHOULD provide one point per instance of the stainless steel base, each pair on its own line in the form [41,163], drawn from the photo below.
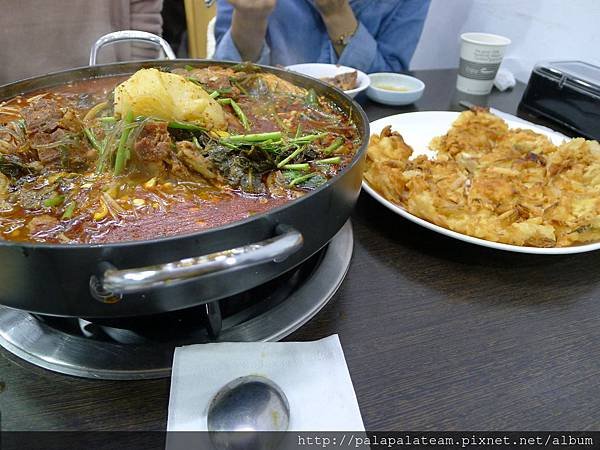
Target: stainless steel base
[34,341]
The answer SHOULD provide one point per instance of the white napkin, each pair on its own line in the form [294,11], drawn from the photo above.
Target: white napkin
[313,375]
[504,80]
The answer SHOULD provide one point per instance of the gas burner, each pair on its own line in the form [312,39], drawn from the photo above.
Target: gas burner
[142,347]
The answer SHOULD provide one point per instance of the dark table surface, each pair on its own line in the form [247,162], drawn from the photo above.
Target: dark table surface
[438,334]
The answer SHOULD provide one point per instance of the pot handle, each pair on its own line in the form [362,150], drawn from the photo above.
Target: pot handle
[130,35]
[114,282]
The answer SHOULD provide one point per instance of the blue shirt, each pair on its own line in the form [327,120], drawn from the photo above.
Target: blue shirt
[385,40]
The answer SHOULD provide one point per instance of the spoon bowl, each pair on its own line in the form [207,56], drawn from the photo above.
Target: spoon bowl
[249,404]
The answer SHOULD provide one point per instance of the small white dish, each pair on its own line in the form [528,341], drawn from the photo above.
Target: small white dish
[320,70]
[394,89]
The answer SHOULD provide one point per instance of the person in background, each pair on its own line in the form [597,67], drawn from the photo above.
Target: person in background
[39,37]
[369,35]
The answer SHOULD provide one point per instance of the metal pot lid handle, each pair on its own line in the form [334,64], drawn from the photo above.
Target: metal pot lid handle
[130,35]
[116,282]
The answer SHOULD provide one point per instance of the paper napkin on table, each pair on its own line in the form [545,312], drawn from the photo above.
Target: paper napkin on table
[504,80]
[313,376]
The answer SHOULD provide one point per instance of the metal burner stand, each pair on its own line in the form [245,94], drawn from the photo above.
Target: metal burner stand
[38,343]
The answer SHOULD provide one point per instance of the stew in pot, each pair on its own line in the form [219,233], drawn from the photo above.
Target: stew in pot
[162,153]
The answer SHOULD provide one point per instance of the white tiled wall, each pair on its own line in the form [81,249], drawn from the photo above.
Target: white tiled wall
[539,30]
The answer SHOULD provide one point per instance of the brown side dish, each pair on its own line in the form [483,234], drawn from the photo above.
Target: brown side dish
[344,81]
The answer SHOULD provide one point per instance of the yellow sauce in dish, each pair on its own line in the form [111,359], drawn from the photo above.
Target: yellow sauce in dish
[391,87]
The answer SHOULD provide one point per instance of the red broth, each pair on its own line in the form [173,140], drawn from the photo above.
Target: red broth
[55,188]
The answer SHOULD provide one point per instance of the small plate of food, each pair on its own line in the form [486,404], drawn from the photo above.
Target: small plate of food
[492,182]
[347,79]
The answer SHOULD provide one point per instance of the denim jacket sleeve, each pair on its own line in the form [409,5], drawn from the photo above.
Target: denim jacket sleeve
[392,47]
[385,40]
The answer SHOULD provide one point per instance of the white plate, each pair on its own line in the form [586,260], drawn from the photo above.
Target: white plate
[321,70]
[418,129]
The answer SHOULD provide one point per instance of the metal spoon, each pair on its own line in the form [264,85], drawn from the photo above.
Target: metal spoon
[249,404]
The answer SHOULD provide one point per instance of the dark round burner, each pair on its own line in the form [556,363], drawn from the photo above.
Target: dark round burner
[200,324]
[142,347]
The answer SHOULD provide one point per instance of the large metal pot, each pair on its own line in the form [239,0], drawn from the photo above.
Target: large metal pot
[166,274]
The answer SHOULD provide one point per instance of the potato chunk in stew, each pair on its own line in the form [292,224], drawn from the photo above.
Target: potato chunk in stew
[168,96]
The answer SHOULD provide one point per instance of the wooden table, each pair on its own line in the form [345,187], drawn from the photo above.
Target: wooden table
[438,334]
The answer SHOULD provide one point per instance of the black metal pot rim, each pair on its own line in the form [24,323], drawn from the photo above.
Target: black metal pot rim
[327,87]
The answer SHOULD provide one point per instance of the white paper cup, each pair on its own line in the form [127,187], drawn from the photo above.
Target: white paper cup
[480,58]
